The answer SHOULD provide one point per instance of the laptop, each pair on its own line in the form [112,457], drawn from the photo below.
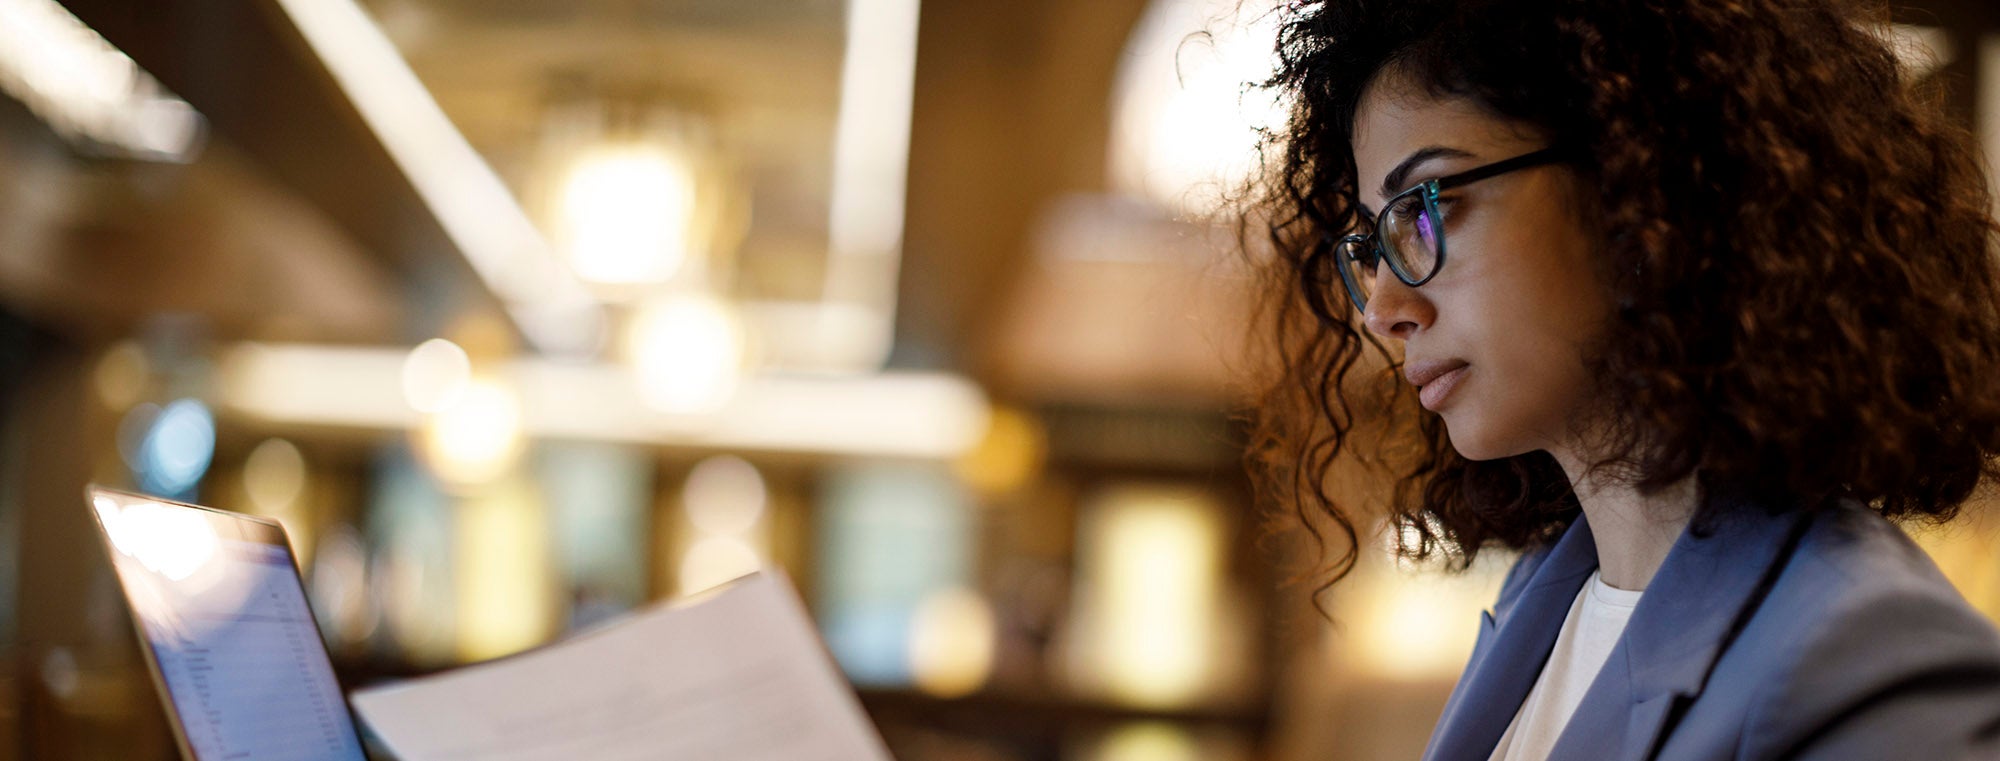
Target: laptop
[223,621]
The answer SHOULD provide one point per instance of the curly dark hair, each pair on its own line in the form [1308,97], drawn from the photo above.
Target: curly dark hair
[1796,238]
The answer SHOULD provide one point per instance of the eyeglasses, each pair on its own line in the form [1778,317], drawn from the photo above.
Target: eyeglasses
[1408,234]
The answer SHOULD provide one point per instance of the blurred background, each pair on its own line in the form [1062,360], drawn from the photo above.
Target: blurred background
[521,314]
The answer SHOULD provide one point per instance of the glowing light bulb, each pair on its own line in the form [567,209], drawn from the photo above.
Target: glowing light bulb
[688,353]
[626,215]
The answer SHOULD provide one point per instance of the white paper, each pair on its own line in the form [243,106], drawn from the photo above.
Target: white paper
[737,674]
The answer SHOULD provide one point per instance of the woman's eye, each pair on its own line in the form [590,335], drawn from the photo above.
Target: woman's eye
[1430,224]
[1443,206]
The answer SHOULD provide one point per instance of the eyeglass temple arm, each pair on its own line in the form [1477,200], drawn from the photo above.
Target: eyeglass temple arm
[1548,155]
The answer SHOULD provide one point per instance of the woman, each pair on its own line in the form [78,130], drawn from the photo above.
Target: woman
[1682,299]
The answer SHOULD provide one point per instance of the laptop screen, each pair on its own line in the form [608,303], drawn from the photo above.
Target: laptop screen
[223,616]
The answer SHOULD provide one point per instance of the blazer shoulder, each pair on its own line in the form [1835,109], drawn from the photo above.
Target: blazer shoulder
[1851,567]
[1870,649]
[1852,541]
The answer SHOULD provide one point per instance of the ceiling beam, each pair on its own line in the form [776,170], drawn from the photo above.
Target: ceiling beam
[250,73]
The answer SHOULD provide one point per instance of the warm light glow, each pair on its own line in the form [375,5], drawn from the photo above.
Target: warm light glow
[502,577]
[88,90]
[821,337]
[1185,130]
[1921,49]
[872,136]
[714,560]
[1151,574]
[724,495]
[477,439]
[435,375]
[1414,623]
[1967,551]
[274,475]
[1416,634]
[688,353]
[121,375]
[1988,106]
[1007,457]
[1148,741]
[626,215]
[952,640]
[318,385]
[929,416]
[871,155]
[724,502]
[476,210]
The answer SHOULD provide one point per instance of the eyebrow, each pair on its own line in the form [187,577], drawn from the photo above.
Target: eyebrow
[1393,182]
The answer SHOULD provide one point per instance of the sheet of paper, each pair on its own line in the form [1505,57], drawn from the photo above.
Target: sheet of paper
[736,674]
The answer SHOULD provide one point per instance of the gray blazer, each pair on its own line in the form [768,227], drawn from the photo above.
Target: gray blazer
[1828,636]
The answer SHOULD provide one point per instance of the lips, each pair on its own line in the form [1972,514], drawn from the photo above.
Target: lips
[1422,373]
[1434,380]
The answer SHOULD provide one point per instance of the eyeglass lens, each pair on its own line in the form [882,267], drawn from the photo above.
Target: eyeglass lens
[1409,235]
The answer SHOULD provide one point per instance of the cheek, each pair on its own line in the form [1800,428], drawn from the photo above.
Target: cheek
[1530,386]
[1532,313]
[1543,275]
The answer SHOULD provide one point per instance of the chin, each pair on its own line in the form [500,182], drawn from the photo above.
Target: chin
[1475,442]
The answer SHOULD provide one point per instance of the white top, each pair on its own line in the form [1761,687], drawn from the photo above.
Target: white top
[1595,621]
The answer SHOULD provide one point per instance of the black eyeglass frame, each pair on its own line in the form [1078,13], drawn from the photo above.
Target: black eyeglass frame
[1429,190]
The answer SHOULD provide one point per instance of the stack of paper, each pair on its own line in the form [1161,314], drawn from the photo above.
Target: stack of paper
[737,673]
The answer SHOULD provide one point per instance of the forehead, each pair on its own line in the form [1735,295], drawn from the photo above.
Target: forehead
[1395,119]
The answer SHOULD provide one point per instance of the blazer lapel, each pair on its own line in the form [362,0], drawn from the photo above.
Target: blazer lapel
[1514,641]
[1692,609]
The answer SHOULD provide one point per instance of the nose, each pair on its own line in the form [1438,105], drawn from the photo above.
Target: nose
[1396,310]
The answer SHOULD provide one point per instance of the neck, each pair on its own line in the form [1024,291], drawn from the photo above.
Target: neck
[1633,531]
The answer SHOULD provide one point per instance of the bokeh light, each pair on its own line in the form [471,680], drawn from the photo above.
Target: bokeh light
[121,375]
[435,375]
[626,214]
[724,495]
[688,353]
[714,560]
[952,642]
[274,475]
[477,439]
[177,448]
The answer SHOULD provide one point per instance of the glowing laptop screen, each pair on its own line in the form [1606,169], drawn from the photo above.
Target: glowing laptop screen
[220,607]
